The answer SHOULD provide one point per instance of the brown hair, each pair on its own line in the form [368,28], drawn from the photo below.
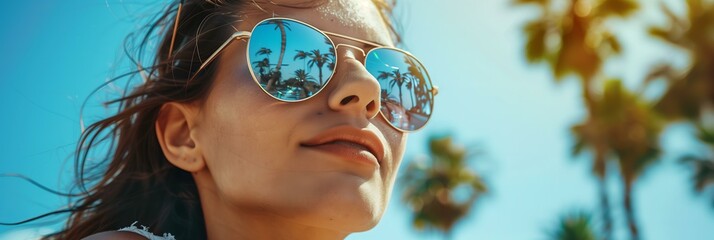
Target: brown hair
[135,182]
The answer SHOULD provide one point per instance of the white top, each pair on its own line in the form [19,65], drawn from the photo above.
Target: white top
[144,231]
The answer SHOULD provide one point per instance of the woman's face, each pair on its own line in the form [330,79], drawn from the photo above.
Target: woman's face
[279,158]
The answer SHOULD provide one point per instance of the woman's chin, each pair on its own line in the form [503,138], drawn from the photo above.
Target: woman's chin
[345,209]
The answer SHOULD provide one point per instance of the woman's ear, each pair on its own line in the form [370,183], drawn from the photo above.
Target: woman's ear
[174,125]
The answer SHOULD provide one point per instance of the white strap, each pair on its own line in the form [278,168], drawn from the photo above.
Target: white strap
[144,231]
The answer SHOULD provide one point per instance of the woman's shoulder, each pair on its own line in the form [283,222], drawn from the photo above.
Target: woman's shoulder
[111,235]
[131,232]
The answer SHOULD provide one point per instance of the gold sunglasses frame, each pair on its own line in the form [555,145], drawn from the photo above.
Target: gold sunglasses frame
[245,35]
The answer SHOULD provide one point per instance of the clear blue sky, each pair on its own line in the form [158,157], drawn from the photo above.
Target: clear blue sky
[56,52]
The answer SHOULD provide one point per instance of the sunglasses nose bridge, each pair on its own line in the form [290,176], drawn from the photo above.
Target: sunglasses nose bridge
[337,48]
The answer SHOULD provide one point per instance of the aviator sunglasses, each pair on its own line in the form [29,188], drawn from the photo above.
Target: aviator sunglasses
[293,61]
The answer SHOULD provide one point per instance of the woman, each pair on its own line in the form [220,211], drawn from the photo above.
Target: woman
[257,120]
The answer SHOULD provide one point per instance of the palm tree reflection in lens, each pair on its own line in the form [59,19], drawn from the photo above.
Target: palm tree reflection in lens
[316,59]
[398,72]
[282,25]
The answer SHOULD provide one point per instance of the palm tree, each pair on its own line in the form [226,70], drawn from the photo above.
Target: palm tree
[630,132]
[689,95]
[633,130]
[302,77]
[384,93]
[396,78]
[262,66]
[429,187]
[576,225]
[584,43]
[300,54]
[316,59]
[424,96]
[410,85]
[279,24]
[264,51]
[331,54]
[703,177]
[419,82]
[685,97]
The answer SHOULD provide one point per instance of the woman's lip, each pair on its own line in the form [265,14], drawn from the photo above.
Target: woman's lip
[347,151]
[349,137]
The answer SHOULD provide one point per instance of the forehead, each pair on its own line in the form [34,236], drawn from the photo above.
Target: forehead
[356,18]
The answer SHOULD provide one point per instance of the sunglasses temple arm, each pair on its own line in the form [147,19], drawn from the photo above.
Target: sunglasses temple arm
[236,36]
[173,35]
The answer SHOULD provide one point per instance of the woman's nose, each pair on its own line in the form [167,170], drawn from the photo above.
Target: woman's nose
[356,91]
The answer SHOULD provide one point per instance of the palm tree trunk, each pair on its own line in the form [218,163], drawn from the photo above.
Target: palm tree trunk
[283,41]
[319,71]
[400,95]
[423,90]
[630,212]
[600,166]
[599,159]
[605,208]
[411,94]
[413,98]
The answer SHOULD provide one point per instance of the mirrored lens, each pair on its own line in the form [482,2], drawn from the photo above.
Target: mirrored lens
[406,94]
[290,60]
